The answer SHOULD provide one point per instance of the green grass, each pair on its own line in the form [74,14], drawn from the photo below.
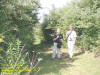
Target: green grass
[81,64]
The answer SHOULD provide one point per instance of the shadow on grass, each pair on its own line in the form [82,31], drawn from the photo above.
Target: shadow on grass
[42,47]
[54,66]
[64,55]
[77,54]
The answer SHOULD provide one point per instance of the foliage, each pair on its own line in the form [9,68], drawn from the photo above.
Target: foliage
[84,16]
[19,18]
[16,60]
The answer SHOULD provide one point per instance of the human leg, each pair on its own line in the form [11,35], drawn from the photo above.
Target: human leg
[54,50]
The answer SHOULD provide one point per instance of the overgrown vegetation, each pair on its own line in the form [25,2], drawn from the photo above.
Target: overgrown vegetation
[21,34]
[18,19]
[84,16]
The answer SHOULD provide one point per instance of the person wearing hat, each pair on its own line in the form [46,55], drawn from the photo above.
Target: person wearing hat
[57,39]
[71,38]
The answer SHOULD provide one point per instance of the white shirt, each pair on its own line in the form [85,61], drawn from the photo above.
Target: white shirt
[72,35]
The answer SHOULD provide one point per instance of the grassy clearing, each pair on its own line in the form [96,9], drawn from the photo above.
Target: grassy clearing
[82,64]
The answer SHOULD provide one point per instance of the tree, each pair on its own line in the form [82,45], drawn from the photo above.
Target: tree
[18,18]
[84,16]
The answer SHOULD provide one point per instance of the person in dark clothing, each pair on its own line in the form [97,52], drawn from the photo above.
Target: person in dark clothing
[57,44]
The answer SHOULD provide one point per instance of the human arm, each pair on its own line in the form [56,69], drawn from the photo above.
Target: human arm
[55,38]
[75,36]
[61,38]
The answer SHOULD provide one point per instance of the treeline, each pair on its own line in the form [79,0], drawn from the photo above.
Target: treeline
[84,16]
[18,19]
[20,29]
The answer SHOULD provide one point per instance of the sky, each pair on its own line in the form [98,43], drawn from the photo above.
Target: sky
[47,6]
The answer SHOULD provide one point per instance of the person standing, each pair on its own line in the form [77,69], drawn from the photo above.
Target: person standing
[57,39]
[71,38]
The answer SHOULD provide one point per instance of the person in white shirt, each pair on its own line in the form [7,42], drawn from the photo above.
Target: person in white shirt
[71,38]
